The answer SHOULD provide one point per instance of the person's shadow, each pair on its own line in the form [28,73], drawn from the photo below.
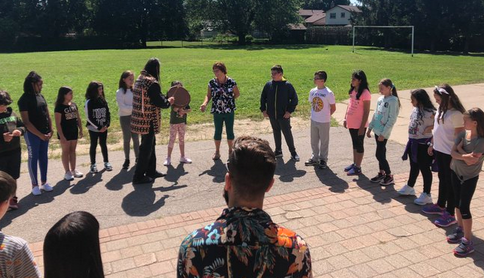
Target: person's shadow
[87,182]
[142,200]
[217,171]
[122,178]
[30,201]
[287,172]
[174,174]
[330,178]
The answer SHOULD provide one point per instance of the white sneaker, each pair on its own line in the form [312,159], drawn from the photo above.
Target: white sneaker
[108,166]
[68,176]
[46,187]
[36,191]
[185,160]
[406,190]
[423,199]
[77,174]
[167,161]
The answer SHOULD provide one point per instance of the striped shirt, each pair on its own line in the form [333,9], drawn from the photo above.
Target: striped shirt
[16,259]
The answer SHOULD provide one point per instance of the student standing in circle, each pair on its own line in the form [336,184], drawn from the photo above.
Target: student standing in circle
[36,118]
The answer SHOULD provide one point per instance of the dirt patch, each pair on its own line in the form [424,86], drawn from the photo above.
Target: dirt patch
[195,132]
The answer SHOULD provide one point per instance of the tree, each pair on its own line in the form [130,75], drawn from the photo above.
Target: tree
[323,4]
[241,17]
[275,16]
[135,21]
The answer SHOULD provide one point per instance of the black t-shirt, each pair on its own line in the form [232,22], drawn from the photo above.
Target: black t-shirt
[36,106]
[68,119]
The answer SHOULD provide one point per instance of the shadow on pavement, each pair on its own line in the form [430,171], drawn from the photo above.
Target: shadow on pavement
[30,201]
[287,172]
[217,171]
[174,174]
[122,178]
[87,182]
[142,200]
[330,178]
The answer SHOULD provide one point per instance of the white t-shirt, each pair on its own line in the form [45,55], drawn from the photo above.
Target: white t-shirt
[444,132]
[320,100]
[125,102]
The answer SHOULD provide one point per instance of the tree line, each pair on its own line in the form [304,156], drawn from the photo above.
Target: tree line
[443,24]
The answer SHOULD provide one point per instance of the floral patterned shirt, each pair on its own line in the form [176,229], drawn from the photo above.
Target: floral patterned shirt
[223,100]
[244,242]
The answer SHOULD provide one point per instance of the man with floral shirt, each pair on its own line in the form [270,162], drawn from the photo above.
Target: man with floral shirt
[243,241]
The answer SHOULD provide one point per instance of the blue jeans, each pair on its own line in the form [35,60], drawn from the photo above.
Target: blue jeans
[37,149]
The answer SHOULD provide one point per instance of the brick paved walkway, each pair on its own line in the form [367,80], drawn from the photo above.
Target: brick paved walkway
[367,231]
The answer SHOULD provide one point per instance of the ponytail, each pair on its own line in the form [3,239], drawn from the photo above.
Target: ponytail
[388,83]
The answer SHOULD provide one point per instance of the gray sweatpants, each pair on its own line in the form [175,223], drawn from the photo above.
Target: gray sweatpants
[320,140]
[125,122]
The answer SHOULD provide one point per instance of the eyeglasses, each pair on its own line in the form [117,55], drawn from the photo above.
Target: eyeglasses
[275,73]
[317,78]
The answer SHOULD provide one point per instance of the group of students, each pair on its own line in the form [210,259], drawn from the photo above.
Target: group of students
[447,139]
[35,124]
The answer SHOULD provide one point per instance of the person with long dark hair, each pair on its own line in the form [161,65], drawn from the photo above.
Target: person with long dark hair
[124,98]
[419,135]
[71,248]
[98,121]
[356,118]
[447,125]
[69,129]
[36,118]
[146,119]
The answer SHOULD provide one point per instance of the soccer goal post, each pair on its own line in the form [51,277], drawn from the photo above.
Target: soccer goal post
[384,27]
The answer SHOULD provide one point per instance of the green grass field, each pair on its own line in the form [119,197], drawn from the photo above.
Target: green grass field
[249,66]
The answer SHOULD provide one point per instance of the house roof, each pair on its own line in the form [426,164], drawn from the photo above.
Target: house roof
[308,13]
[315,17]
[296,27]
[348,8]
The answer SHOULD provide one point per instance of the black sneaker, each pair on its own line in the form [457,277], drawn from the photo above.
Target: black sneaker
[278,153]
[311,162]
[322,164]
[378,178]
[295,157]
[388,180]
[126,164]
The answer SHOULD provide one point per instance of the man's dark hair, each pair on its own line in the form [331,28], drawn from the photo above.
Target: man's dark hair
[277,68]
[5,98]
[252,164]
[8,186]
[71,247]
[321,74]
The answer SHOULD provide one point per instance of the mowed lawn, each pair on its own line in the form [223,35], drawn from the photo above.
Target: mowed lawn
[249,66]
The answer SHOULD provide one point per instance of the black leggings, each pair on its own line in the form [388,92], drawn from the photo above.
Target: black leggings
[423,164]
[357,140]
[381,155]
[446,193]
[463,192]
[102,142]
